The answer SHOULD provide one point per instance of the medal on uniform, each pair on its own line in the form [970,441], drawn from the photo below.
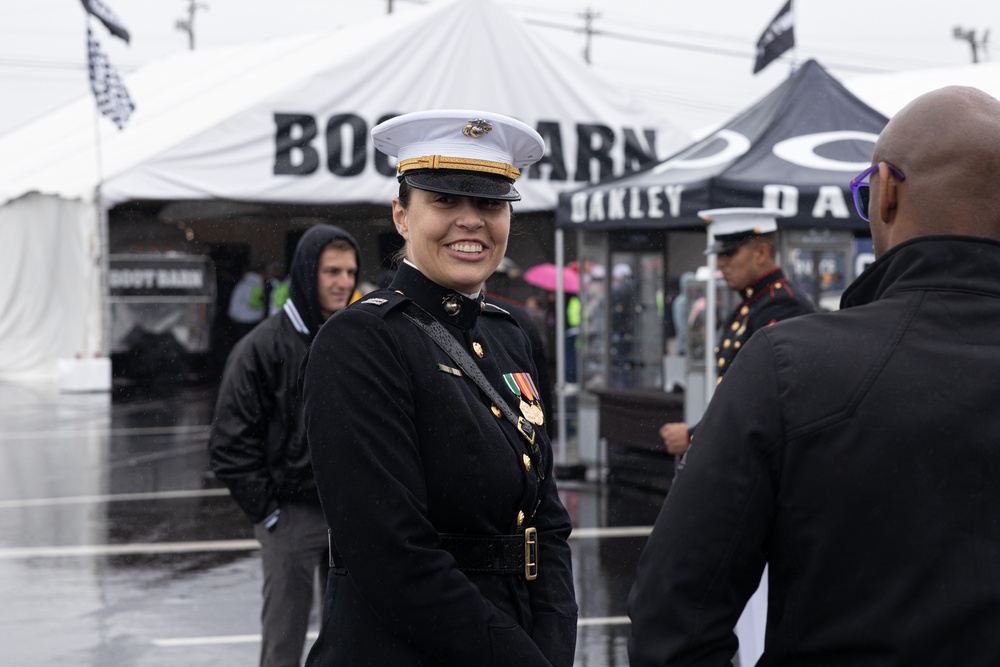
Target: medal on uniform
[523,387]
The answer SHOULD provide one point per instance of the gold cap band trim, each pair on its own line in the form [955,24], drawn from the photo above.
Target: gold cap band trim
[458,163]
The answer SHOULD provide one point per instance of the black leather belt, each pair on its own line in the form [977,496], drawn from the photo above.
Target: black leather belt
[495,554]
[490,554]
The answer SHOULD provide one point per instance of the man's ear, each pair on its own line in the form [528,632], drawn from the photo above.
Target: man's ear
[399,218]
[761,253]
[887,193]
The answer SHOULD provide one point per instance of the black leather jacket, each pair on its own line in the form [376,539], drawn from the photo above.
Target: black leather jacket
[258,442]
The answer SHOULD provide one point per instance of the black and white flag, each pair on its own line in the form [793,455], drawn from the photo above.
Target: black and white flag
[107,17]
[777,38]
[112,98]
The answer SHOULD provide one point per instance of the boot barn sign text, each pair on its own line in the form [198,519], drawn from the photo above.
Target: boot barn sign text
[341,145]
[681,186]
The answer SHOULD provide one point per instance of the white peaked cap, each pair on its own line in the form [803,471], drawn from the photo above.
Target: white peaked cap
[487,149]
[732,227]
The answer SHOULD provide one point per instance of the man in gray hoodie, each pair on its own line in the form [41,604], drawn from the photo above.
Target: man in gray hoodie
[258,442]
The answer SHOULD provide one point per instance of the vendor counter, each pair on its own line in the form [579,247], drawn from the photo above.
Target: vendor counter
[630,420]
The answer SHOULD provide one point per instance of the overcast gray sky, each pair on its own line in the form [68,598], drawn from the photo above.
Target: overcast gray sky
[692,59]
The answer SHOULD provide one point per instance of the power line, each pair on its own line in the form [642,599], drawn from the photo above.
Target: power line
[686,46]
[701,48]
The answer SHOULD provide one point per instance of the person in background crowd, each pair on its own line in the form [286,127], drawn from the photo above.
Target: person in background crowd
[258,446]
[435,472]
[276,288]
[622,326]
[536,311]
[855,452]
[246,304]
[745,245]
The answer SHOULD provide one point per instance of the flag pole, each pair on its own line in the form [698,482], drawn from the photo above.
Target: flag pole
[112,99]
[102,226]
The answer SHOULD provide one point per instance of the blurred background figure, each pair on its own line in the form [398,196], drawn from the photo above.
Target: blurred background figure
[622,307]
[276,288]
[246,305]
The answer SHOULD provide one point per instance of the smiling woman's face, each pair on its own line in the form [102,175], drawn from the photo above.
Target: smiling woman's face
[457,242]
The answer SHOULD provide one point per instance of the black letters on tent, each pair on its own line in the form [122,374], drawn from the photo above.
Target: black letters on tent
[334,144]
[382,164]
[636,157]
[347,145]
[587,152]
[553,155]
[286,145]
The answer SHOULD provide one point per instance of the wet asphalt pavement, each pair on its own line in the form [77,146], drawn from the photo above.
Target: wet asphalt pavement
[116,547]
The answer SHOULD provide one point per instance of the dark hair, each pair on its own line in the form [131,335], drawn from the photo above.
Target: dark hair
[404,193]
[340,244]
[770,239]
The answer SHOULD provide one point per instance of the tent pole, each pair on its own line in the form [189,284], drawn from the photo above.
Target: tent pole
[560,348]
[710,294]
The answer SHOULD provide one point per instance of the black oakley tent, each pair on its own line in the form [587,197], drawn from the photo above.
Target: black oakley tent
[795,150]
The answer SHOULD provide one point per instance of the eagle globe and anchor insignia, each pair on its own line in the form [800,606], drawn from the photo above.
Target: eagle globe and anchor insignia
[477,128]
[523,387]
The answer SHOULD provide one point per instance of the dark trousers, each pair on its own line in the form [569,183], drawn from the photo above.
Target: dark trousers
[292,553]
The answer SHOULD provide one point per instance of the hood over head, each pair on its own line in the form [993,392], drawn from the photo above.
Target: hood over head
[302,276]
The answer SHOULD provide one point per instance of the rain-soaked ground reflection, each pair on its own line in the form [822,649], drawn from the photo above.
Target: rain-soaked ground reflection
[116,548]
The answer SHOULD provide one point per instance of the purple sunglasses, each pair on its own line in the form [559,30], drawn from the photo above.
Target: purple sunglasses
[862,194]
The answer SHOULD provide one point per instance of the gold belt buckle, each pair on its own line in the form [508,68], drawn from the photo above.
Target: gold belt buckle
[530,553]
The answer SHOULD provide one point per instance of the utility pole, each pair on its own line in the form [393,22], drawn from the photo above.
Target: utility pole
[390,7]
[187,25]
[970,37]
[588,29]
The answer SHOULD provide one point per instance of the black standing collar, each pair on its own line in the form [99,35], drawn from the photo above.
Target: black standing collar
[444,304]
[762,283]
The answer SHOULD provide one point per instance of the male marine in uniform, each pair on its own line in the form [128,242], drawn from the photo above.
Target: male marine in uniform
[745,246]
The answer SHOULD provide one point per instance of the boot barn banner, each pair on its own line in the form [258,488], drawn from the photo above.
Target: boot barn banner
[302,134]
[340,147]
[796,150]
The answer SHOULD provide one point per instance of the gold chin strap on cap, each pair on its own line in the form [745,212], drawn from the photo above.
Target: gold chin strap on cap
[460,164]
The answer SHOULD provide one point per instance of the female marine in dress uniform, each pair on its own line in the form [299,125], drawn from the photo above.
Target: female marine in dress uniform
[435,473]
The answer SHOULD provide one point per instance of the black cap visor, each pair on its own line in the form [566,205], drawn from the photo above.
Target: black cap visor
[463,183]
[730,242]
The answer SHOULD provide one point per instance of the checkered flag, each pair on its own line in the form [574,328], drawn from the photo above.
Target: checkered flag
[112,98]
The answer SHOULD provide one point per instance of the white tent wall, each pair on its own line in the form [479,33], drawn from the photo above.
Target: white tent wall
[52,307]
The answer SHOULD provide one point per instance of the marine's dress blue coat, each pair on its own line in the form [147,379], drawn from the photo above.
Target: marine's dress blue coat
[403,451]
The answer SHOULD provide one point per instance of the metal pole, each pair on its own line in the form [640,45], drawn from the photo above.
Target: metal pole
[561,448]
[710,363]
[103,333]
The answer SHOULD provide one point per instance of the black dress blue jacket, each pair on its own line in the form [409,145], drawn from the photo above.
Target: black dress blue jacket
[404,450]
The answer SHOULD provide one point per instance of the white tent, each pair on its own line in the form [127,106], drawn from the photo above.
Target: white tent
[891,92]
[282,121]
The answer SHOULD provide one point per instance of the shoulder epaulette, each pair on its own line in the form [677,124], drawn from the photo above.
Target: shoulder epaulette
[493,309]
[381,301]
